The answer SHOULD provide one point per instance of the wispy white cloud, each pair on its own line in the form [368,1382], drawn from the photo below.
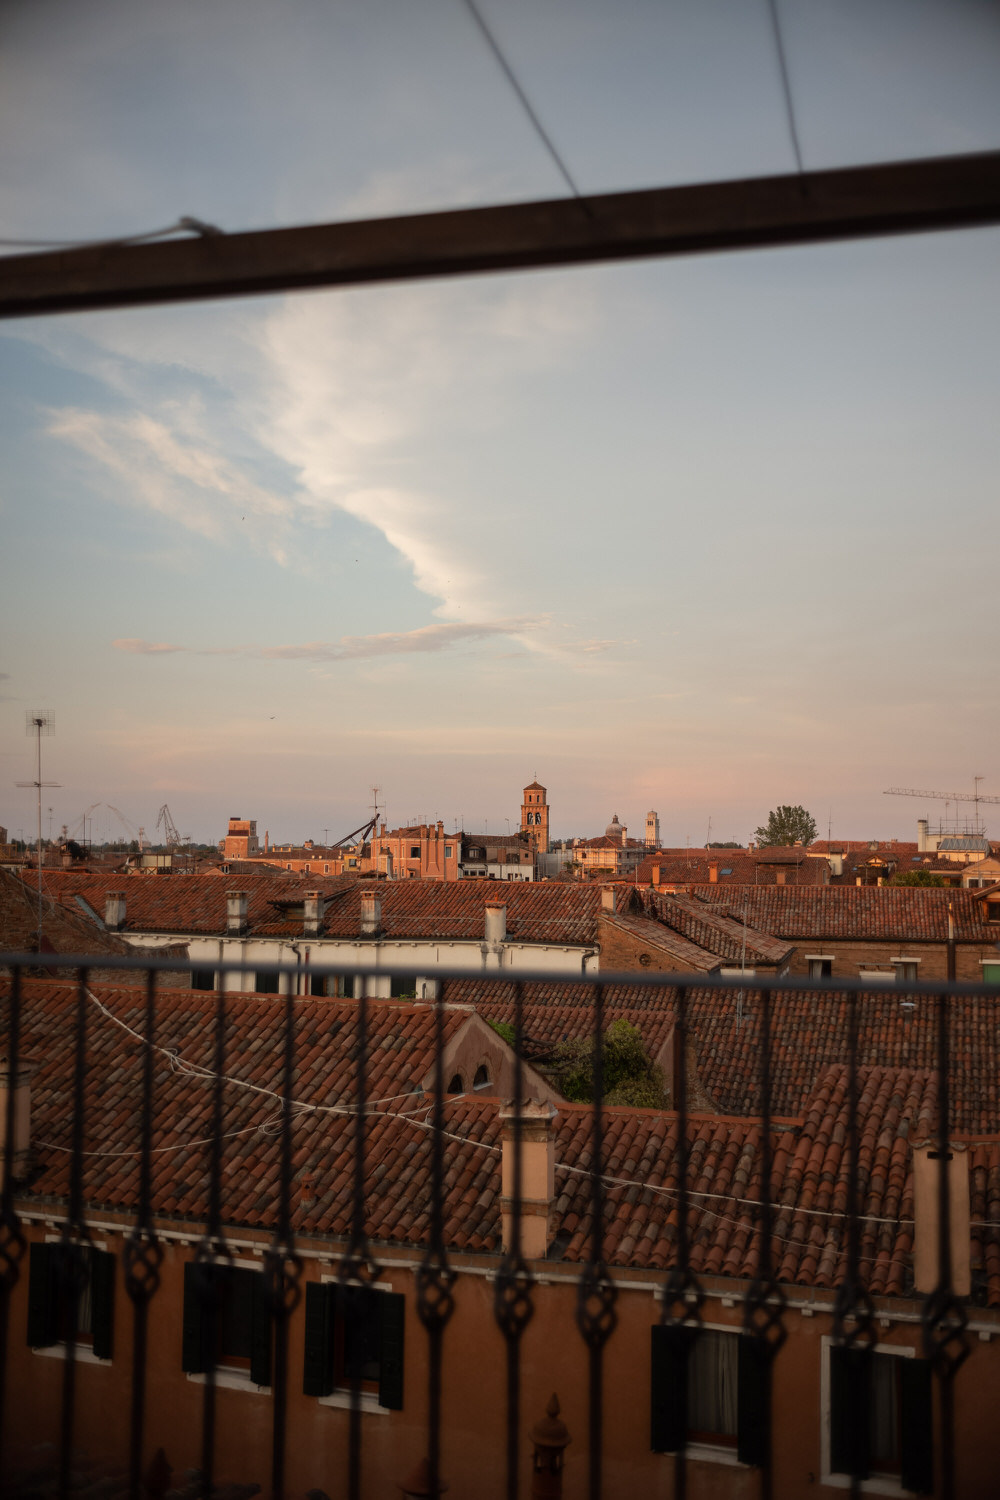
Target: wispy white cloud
[177,476]
[426,638]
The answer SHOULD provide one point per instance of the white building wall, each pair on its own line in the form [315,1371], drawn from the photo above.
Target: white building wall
[421,957]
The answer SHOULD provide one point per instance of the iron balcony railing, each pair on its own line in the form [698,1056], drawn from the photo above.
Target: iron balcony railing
[944,1316]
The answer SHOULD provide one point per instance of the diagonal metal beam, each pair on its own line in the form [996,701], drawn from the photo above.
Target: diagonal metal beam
[950,192]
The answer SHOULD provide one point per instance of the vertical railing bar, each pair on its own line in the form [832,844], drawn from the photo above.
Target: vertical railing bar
[595,1309]
[682,1289]
[10,1225]
[512,1296]
[211,1246]
[435,1301]
[283,1271]
[437,1222]
[142,1252]
[357,1260]
[765,1302]
[947,1368]
[854,1311]
[71,1266]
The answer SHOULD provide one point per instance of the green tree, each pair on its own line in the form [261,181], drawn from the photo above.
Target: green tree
[787,825]
[630,1076]
[505,1030]
[917,877]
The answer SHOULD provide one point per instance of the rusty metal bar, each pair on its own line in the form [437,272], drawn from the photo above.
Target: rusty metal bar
[903,197]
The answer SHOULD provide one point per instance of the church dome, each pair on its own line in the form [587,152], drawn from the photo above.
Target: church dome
[614,829]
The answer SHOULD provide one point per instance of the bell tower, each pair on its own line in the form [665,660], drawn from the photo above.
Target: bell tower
[535,816]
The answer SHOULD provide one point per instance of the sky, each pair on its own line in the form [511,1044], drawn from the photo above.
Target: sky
[705,535]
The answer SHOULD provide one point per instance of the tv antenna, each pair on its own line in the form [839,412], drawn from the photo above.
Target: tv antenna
[40,722]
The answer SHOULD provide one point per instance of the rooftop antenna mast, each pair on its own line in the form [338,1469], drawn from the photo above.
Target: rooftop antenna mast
[39,722]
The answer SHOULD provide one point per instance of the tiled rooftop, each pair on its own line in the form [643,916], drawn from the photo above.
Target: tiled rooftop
[876,913]
[809,1036]
[897,1106]
[536,913]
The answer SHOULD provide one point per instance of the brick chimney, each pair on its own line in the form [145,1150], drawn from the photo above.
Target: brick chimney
[538,1174]
[656,874]
[713,871]
[236,913]
[22,1116]
[496,922]
[371,914]
[313,911]
[926,1217]
[114,911]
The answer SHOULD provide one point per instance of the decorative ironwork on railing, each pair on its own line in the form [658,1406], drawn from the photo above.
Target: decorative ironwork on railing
[60,1284]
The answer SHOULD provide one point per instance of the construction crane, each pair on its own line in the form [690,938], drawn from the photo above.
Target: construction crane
[136,833]
[80,826]
[170,835]
[975,797]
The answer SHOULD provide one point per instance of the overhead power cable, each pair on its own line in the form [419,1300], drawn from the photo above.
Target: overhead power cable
[526,104]
[185,225]
[785,83]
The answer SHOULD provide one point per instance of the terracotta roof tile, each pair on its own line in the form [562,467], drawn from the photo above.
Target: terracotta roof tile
[809,1162]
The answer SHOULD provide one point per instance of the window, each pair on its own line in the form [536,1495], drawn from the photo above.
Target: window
[482,1078]
[880,1417]
[52,1269]
[991,973]
[354,1333]
[266,984]
[456,1086]
[403,986]
[820,968]
[326,869]
[907,970]
[725,1405]
[447,851]
[414,851]
[227,1321]
[993,911]
[203,979]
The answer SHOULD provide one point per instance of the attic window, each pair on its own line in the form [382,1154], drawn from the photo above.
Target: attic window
[993,911]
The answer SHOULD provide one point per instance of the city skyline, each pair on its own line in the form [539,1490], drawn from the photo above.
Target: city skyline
[706,536]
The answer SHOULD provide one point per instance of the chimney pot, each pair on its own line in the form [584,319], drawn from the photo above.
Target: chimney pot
[236,913]
[313,911]
[371,914]
[926,1218]
[496,922]
[538,1173]
[114,911]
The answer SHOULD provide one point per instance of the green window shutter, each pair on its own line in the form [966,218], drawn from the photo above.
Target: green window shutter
[753,1402]
[197,1312]
[850,1411]
[260,1332]
[317,1368]
[41,1298]
[667,1389]
[917,1426]
[392,1306]
[102,1302]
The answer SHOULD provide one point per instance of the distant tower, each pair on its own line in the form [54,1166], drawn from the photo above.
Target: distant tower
[535,816]
[652,830]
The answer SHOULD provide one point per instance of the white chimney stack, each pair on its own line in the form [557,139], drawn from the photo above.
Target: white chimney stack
[313,911]
[236,913]
[371,914]
[926,1217]
[538,1174]
[114,911]
[609,898]
[496,922]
